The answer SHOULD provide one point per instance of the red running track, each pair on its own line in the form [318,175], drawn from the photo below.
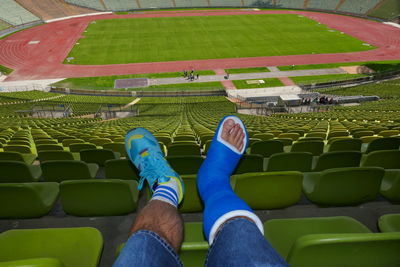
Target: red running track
[45,59]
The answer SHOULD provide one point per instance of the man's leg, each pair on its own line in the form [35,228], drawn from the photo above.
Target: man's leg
[234,232]
[161,218]
[157,233]
[156,237]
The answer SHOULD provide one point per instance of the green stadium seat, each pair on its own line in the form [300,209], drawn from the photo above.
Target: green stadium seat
[293,161]
[365,249]
[369,139]
[283,233]
[250,163]
[387,143]
[194,247]
[18,148]
[205,138]
[332,241]
[114,136]
[73,247]
[268,190]
[185,164]
[21,138]
[99,197]
[191,200]
[264,136]
[49,147]
[363,133]
[343,186]
[183,143]
[307,139]
[389,133]
[16,156]
[183,149]
[61,170]
[252,141]
[293,136]
[267,148]
[377,130]
[284,141]
[207,146]
[355,129]
[42,137]
[299,131]
[62,138]
[389,223]
[337,134]
[251,133]
[387,159]
[122,169]
[56,155]
[18,172]
[348,144]
[46,142]
[68,142]
[19,142]
[338,159]
[102,135]
[317,134]
[314,147]
[98,156]
[184,138]
[390,187]
[117,148]
[276,133]
[100,141]
[78,147]
[27,200]
[333,139]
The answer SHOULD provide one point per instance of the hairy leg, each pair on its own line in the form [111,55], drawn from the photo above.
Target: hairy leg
[162,219]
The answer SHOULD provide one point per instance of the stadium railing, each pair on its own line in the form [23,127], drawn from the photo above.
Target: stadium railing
[372,78]
[137,93]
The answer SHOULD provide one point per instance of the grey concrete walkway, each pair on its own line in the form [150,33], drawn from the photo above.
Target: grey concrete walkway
[248,76]
[273,69]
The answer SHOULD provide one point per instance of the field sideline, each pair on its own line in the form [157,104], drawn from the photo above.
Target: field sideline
[139,40]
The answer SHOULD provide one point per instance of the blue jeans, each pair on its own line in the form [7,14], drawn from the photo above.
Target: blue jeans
[238,243]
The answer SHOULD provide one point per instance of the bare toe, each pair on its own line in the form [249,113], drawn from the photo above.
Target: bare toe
[236,137]
[226,129]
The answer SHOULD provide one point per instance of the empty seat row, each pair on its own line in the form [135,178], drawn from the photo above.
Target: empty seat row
[269,147]
[100,197]
[292,161]
[333,187]
[66,169]
[263,190]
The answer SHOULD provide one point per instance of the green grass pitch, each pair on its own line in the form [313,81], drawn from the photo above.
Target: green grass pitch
[137,40]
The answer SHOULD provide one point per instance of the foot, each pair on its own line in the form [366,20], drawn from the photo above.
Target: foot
[145,153]
[233,134]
